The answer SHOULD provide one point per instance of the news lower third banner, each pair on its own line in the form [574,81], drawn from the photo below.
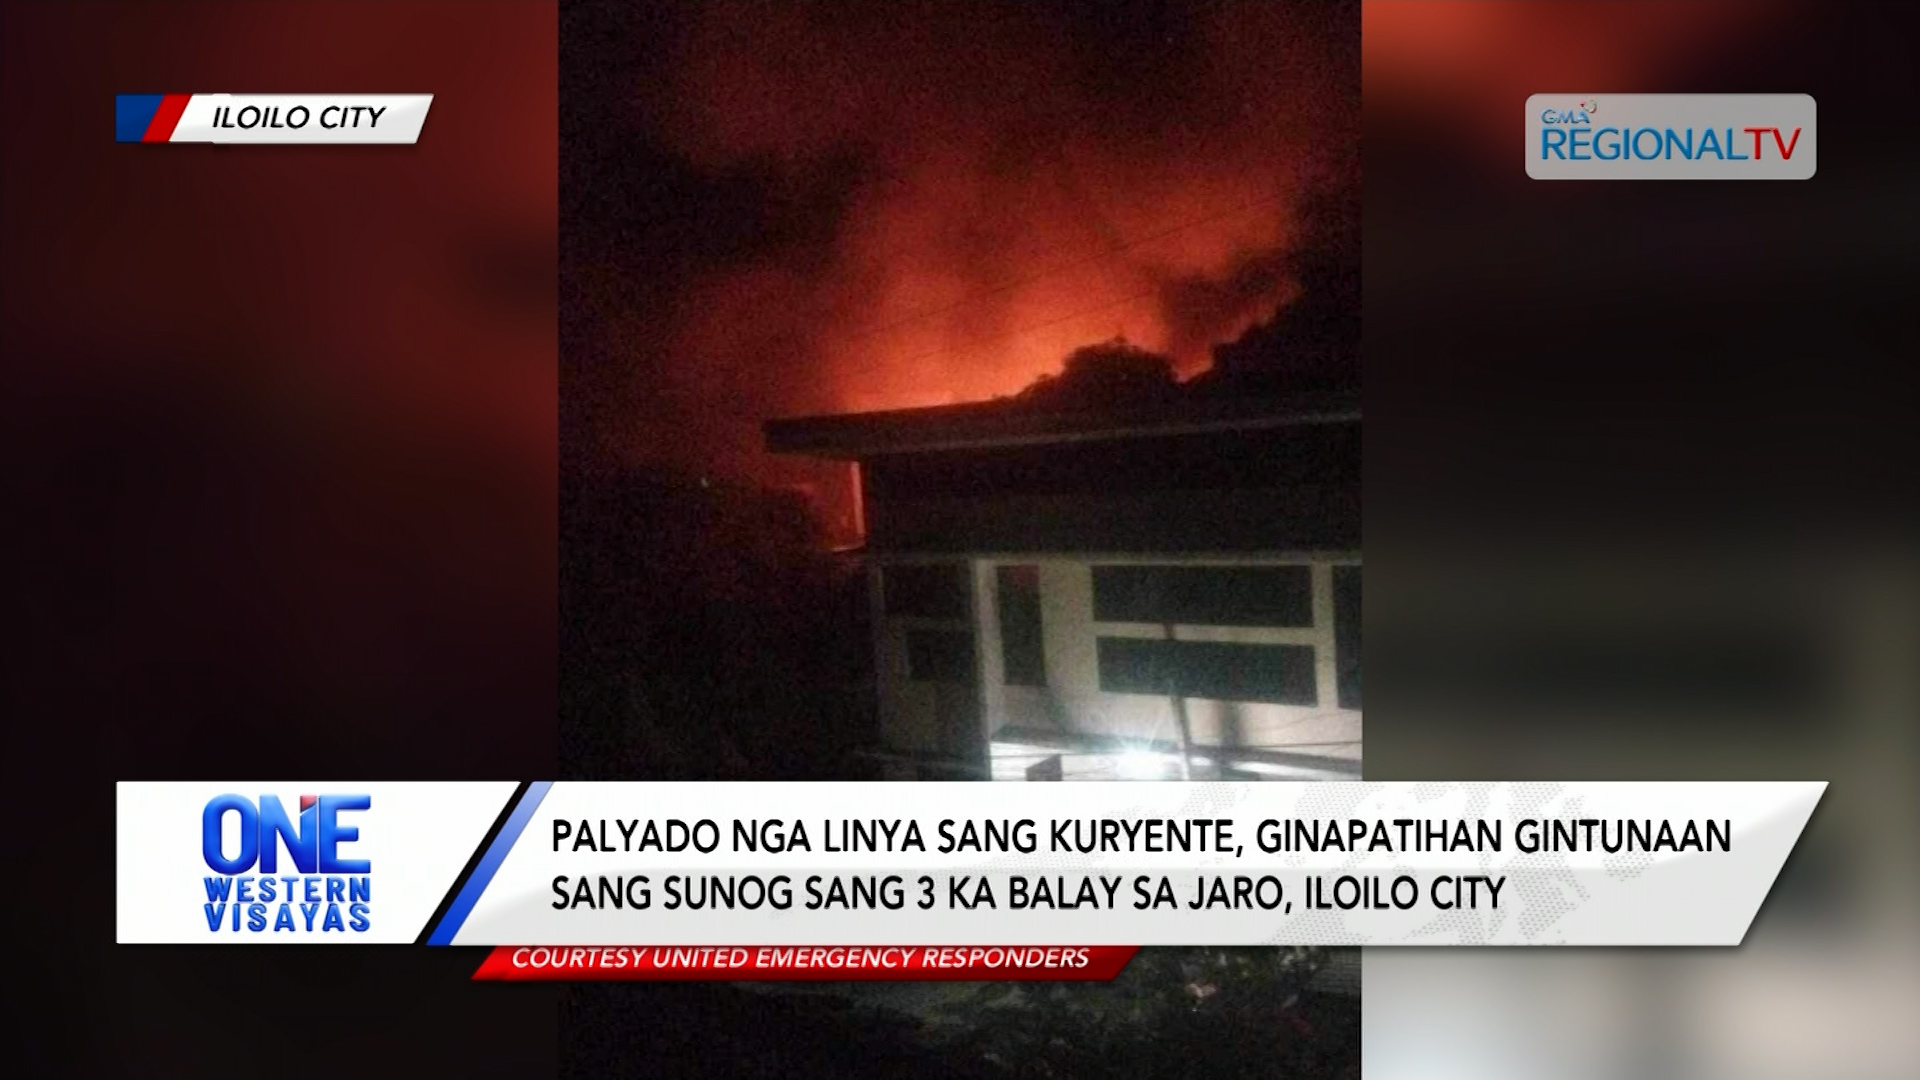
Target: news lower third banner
[826,880]
[269,119]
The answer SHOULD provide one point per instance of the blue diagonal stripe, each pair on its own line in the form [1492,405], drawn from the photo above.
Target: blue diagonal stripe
[131,115]
[456,915]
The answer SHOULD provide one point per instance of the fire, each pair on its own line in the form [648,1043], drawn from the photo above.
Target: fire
[966,198]
[938,326]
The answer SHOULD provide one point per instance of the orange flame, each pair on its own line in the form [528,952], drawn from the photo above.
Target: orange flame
[1005,206]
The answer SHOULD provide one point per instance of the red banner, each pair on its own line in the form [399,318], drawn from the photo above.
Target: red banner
[815,963]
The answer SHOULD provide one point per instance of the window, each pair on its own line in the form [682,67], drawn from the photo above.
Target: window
[1279,596]
[926,590]
[1272,674]
[1022,648]
[942,656]
[1346,633]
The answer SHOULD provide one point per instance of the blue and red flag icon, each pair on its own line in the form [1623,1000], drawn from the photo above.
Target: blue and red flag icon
[147,117]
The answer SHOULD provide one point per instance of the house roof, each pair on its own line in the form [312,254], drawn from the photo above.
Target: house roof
[1013,422]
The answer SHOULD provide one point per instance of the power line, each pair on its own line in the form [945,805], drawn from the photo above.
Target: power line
[865,333]
[1097,257]
[968,348]
[971,348]
[965,349]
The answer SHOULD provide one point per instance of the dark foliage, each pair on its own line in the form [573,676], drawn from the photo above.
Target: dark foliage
[1113,374]
[1309,346]
[706,635]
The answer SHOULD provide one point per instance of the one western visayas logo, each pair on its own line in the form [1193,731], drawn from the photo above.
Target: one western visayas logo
[253,891]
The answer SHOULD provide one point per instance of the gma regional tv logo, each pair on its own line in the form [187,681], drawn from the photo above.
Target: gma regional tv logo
[1671,137]
[319,887]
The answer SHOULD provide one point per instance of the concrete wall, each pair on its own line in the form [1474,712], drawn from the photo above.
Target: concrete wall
[931,720]
[936,720]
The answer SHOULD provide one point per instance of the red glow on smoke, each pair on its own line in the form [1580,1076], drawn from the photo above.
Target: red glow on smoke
[1009,198]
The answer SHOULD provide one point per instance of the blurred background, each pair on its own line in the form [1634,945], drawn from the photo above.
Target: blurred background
[279,429]
[1634,512]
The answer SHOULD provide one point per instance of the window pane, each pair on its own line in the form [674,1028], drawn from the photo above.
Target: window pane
[940,656]
[1204,595]
[1274,674]
[927,590]
[1022,649]
[1346,633]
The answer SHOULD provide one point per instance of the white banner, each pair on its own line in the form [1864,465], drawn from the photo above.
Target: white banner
[303,118]
[1135,864]
[1144,863]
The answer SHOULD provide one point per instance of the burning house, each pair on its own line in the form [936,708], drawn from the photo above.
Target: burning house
[1165,589]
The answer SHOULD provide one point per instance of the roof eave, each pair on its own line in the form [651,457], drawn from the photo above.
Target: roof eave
[862,435]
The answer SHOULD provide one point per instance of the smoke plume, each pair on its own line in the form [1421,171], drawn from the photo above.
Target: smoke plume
[958,195]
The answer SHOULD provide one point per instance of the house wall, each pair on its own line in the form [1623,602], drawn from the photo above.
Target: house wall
[1283,496]
[929,718]
[922,718]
